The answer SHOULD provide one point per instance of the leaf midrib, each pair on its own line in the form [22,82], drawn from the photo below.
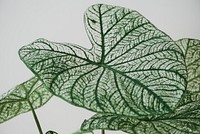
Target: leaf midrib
[102,36]
[14,101]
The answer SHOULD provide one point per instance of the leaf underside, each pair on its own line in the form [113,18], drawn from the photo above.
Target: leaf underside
[19,99]
[133,68]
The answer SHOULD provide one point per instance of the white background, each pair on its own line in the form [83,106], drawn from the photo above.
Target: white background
[23,21]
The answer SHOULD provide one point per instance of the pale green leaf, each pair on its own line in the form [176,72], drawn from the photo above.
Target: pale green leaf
[133,68]
[20,99]
[185,120]
[191,50]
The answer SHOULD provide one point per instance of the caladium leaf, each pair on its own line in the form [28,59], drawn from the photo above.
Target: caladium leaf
[191,51]
[110,122]
[133,68]
[185,120]
[21,99]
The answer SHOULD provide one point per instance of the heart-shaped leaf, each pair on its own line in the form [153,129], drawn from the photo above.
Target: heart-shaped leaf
[185,120]
[21,99]
[133,68]
[191,51]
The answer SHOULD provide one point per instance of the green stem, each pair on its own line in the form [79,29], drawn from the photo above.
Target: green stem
[36,119]
[102,131]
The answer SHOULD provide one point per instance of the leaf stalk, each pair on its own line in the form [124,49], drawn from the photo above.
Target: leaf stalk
[36,118]
[102,131]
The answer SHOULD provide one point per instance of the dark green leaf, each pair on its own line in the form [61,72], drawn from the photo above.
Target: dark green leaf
[19,99]
[133,68]
[191,50]
[51,132]
[185,120]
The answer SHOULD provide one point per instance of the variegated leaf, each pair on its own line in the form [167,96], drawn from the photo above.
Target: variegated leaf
[185,120]
[22,98]
[191,51]
[133,68]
